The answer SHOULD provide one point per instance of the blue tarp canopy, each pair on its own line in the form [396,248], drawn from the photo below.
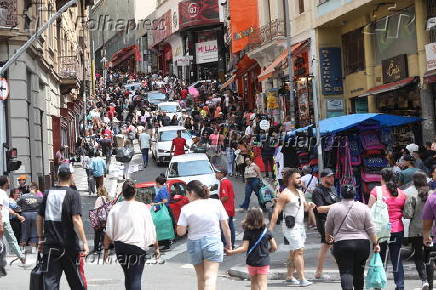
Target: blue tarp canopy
[339,124]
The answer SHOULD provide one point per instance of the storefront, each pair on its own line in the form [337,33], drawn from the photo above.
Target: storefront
[126,58]
[247,82]
[399,94]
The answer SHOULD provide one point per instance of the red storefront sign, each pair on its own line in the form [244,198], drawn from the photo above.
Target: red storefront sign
[198,13]
[164,29]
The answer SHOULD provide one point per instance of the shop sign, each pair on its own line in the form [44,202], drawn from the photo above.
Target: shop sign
[430,50]
[335,105]
[301,65]
[331,71]
[394,69]
[183,60]
[165,27]
[198,13]
[206,51]
[264,125]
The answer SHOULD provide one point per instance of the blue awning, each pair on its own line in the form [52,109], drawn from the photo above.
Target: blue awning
[339,124]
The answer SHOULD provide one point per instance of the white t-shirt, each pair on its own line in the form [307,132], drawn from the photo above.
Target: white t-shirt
[4,202]
[130,222]
[202,217]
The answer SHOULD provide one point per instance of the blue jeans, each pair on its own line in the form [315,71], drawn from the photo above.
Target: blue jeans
[394,245]
[232,233]
[251,184]
[145,155]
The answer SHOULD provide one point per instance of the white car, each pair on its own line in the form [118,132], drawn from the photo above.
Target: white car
[194,166]
[171,109]
[162,141]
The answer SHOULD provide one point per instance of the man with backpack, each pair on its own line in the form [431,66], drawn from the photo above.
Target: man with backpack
[61,235]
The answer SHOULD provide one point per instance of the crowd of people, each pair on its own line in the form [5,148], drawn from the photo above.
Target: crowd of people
[120,117]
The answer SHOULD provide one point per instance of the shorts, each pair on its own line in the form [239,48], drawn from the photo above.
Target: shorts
[206,248]
[295,238]
[320,224]
[262,270]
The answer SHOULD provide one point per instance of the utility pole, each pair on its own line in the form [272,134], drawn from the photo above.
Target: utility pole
[34,37]
[290,68]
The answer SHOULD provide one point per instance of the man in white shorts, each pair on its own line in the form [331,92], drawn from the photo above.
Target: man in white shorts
[293,204]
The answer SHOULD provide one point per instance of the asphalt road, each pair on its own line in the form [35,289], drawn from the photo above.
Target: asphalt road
[176,273]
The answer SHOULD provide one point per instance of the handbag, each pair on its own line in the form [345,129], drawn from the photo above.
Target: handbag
[376,276]
[163,223]
[290,220]
[36,276]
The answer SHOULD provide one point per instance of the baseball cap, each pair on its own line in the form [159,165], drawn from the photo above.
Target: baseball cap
[412,148]
[64,169]
[326,173]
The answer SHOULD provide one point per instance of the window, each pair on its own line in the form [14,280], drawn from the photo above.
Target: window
[354,54]
[301,6]
[190,168]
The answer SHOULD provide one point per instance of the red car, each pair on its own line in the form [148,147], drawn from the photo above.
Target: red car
[146,193]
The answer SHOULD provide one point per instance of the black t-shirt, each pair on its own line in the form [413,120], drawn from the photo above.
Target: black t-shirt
[323,196]
[259,257]
[58,206]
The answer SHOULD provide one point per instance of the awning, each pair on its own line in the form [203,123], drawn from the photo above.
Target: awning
[124,54]
[430,76]
[245,64]
[228,82]
[267,73]
[390,87]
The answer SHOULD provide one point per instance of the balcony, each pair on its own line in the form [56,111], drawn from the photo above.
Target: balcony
[266,34]
[68,67]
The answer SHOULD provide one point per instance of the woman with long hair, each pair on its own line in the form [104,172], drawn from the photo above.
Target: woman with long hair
[205,218]
[395,199]
[417,195]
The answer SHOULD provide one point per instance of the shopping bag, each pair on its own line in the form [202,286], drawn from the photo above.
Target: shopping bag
[376,276]
[163,223]
[36,281]
[266,193]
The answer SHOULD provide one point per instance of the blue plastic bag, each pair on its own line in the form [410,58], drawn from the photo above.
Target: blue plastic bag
[376,277]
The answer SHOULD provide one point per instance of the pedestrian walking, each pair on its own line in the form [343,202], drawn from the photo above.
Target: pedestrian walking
[252,177]
[5,226]
[204,217]
[98,169]
[29,204]
[395,199]
[144,142]
[61,235]
[99,232]
[227,197]
[258,243]
[293,204]
[309,183]
[417,195]
[128,153]
[350,229]
[324,196]
[130,228]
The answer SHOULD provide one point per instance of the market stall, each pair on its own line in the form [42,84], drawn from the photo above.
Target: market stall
[356,146]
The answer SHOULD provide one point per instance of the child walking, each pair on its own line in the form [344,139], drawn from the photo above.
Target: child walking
[257,243]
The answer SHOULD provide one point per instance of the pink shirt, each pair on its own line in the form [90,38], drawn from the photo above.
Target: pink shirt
[395,207]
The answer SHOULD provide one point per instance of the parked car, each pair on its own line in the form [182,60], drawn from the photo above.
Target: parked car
[146,192]
[193,166]
[161,142]
[170,109]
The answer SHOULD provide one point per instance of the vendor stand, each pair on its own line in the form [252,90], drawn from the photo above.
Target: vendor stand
[356,146]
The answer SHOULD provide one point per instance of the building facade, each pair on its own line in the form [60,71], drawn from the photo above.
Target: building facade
[47,84]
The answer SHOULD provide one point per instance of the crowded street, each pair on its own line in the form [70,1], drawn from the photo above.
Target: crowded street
[217,144]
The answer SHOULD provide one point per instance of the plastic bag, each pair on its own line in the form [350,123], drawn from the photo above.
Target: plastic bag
[163,223]
[376,276]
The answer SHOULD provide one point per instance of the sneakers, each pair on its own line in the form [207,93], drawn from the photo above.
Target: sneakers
[305,283]
[425,285]
[293,281]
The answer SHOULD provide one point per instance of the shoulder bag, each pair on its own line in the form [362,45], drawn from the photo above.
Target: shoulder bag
[290,220]
[337,231]
[258,241]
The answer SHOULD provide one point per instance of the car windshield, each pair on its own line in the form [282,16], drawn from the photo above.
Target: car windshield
[156,97]
[168,108]
[189,168]
[170,135]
